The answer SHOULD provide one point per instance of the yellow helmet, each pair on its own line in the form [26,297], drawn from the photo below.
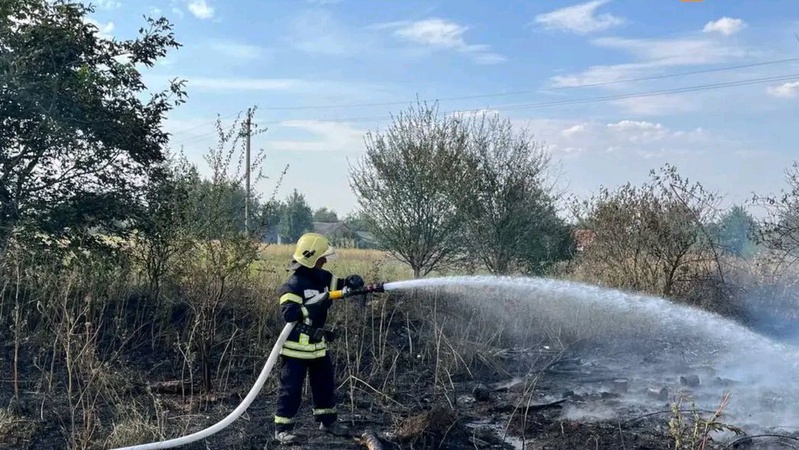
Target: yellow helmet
[311,247]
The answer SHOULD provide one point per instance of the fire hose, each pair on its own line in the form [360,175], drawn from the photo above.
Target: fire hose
[256,388]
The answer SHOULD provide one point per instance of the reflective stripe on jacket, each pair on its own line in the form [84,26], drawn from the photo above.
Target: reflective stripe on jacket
[303,285]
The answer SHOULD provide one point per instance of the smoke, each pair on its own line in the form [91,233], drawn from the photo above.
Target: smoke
[647,340]
[770,301]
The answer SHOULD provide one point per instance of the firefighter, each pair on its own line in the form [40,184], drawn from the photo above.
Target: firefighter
[305,350]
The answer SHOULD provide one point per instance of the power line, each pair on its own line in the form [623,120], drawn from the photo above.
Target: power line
[600,99]
[500,94]
[528,91]
[203,125]
[705,87]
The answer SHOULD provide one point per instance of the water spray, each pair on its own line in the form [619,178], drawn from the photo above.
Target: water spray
[259,383]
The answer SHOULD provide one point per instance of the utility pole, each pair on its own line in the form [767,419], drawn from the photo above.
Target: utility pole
[247,171]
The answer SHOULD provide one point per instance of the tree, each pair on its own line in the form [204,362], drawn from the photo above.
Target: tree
[221,264]
[77,134]
[229,206]
[648,238]
[735,231]
[779,231]
[163,220]
[510,221]
[357,221]
[403,183]
[325,215]
[271,214]
[297,217]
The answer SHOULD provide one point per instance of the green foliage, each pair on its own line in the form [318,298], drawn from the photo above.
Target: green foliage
[509,219]
[695,431]
[648,238]
[229,198]
[297,217]
[357,221]
[404,185]
[77,135]
[220,262]
[163,221]
[325,215]
[735,232]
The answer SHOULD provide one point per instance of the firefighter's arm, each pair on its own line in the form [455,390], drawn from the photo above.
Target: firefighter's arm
[291,307]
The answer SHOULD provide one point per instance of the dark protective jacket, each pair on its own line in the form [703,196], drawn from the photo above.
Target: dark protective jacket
[302,286]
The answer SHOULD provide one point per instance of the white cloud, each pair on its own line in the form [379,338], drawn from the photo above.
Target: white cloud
[331,137]
[658,105]
[787,90]
[674,52]
[201,9]
[434,32]
[178,12]
[247,84]
[322,91]
[652,55]
[442,34]
[319,33]
[592,153]
[725,26]
[108,4]
[324,2]
[579,19]
[237,50]
[574,130]
[634,136]
[643,131]
[103,30]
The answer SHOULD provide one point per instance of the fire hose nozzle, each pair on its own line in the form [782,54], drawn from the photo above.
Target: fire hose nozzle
[367,289]
[372,288]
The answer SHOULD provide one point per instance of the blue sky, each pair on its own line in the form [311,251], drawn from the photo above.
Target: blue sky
[323,72]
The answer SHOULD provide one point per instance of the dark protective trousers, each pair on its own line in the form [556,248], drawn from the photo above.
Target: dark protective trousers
[292,378]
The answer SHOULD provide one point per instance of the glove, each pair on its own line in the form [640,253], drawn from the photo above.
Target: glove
[331,335]
[353,282]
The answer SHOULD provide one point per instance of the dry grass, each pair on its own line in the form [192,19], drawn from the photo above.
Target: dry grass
[92,325]
[92,330]
[374,265]
[15,431]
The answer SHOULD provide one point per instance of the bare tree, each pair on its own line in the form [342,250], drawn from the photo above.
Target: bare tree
[780,229]
[510,222]
[403,185]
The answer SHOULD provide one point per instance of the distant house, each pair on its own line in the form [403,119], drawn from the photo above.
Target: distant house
[584,238]
[343,236]
[367,239]
[339,234]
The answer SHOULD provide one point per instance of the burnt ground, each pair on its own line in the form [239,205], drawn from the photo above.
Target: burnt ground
[551,401]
